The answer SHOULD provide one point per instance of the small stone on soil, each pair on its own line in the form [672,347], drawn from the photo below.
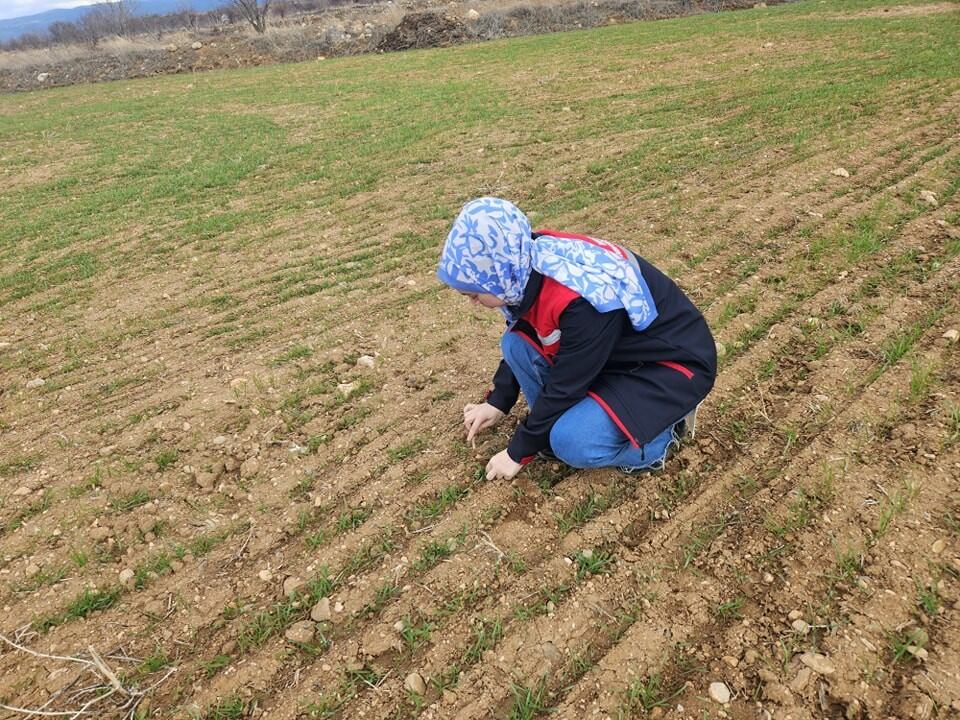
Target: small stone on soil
[952,335]
[801,680]
[719,693]
[840,172]
[35,383]
[126,576]
[414,683]
[321,611]
[291,585]
[249,468]
[206,480]
[929,198]
[32,570]
[938,546]
[367,361]
[346,389]
[820,664]
[300,632]
[265,575]
[800,626]
[795,615]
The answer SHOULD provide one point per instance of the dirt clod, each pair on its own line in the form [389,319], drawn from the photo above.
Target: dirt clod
[424,30]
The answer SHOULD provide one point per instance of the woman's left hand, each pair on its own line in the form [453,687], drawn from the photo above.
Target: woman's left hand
[502,465]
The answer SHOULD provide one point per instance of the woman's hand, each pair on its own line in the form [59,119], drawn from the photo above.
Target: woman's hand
[480,417]
[502,465]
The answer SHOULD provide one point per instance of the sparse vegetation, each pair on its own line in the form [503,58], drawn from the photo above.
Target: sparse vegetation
[231,275]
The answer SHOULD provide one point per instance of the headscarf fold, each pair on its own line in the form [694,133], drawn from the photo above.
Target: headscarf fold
[490,249]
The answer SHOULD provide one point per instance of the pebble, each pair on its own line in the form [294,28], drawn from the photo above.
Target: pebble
[795,615]
[205,480]
[126,576]
[265,575]
[938,546]
[918,652]
[338,607]
[800,626]
[35,383]
[346,389]
[820,664]
[367,361]
[249,468]
[300,632]
[473,14]
[196,45]
[929,198]
[730,660]
[801,680]
[767,578]
[22,490]
[291,585]
[414,683]
[952,335]
[719,693]
[840,172]
[32,570]
[107,450]
[321,611]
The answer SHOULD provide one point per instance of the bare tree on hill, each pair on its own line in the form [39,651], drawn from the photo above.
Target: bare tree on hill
[254,11]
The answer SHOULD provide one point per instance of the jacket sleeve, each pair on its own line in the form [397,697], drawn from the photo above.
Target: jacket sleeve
[505,390]
[587,338]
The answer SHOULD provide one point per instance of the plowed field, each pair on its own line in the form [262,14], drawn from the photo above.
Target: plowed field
[232,462]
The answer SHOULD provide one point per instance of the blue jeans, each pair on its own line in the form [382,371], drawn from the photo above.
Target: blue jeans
[584,436]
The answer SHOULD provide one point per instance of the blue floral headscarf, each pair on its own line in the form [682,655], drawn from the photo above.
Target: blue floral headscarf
[490,249]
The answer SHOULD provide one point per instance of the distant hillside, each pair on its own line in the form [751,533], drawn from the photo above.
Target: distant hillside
[38,24]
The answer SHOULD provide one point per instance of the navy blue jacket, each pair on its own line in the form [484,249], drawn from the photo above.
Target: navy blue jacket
[645,381]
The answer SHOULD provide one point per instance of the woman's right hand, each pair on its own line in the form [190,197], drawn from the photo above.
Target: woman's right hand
[480,417]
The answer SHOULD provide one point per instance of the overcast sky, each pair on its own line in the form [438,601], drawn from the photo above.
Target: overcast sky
[16,8]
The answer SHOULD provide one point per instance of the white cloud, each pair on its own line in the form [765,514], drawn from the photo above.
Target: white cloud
[19,8]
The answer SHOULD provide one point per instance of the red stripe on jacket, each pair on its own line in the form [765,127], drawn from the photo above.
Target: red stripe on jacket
[609,246]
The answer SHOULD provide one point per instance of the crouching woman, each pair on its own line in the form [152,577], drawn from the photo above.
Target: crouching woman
[612,358]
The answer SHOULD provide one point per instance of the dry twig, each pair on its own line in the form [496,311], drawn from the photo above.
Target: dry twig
[108,685]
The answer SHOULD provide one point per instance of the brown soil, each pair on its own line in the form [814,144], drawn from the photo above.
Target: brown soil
[424,30]
[794,550]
